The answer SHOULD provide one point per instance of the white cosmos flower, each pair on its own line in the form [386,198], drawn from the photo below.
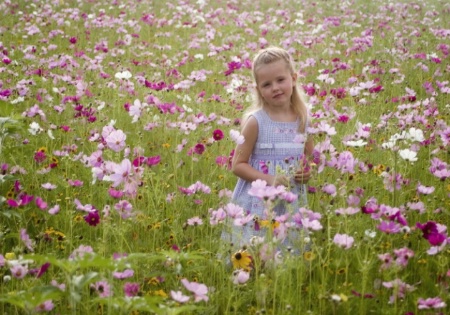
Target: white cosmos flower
[123,75]
[35,128]
[416,134]
[408,155]
[357,143]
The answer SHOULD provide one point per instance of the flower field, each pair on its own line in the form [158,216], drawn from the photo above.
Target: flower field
[118,121]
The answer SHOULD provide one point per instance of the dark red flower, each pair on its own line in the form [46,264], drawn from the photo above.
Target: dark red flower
[218,134]
[92,218]
[199,148]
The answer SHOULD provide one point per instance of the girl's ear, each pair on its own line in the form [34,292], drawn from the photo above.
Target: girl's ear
[294,78]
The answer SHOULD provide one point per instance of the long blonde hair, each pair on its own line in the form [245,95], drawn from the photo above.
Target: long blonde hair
[298,102]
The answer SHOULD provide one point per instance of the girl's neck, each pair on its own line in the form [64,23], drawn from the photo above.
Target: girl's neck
[281,114]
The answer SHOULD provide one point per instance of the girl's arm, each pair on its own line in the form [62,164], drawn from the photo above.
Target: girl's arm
[304,173]
[242,153]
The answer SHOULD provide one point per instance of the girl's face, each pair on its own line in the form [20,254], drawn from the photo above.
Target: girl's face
[275,83]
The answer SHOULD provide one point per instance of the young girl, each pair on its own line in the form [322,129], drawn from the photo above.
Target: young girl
[274,129]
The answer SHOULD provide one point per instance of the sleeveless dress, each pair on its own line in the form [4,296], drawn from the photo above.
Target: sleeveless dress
[274,149]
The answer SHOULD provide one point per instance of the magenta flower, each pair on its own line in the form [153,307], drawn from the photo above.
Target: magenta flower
[343,240]
[153,160]
[73,40]
[115,193]
[199,148]
[40,156]
[431,232]
[92,218]
[218,134]
[43,269]
[232,66]
[131,288]
[41,204]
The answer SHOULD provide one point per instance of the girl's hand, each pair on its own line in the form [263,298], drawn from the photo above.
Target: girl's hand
[303,175]
[280,180]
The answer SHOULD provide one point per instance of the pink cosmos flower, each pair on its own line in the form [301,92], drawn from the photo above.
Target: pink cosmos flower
[18,271]
[343,240]
[389,227]
[124,208]
[122,172]
[127,273]
[240,276]
[102,288]
[46,306]
[403,255]
[200,290]
[386,259]
[179,297]
[194,221]
[237,137]
[329,189]
[116,140]
[41,204]
[430,303]
[48,186]
[26,240]
[80,252]
[400,289]
[54,210]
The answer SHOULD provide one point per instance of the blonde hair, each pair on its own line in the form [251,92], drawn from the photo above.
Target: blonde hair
[298,101]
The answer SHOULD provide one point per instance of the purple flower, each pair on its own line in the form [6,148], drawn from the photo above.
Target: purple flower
[73,40]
